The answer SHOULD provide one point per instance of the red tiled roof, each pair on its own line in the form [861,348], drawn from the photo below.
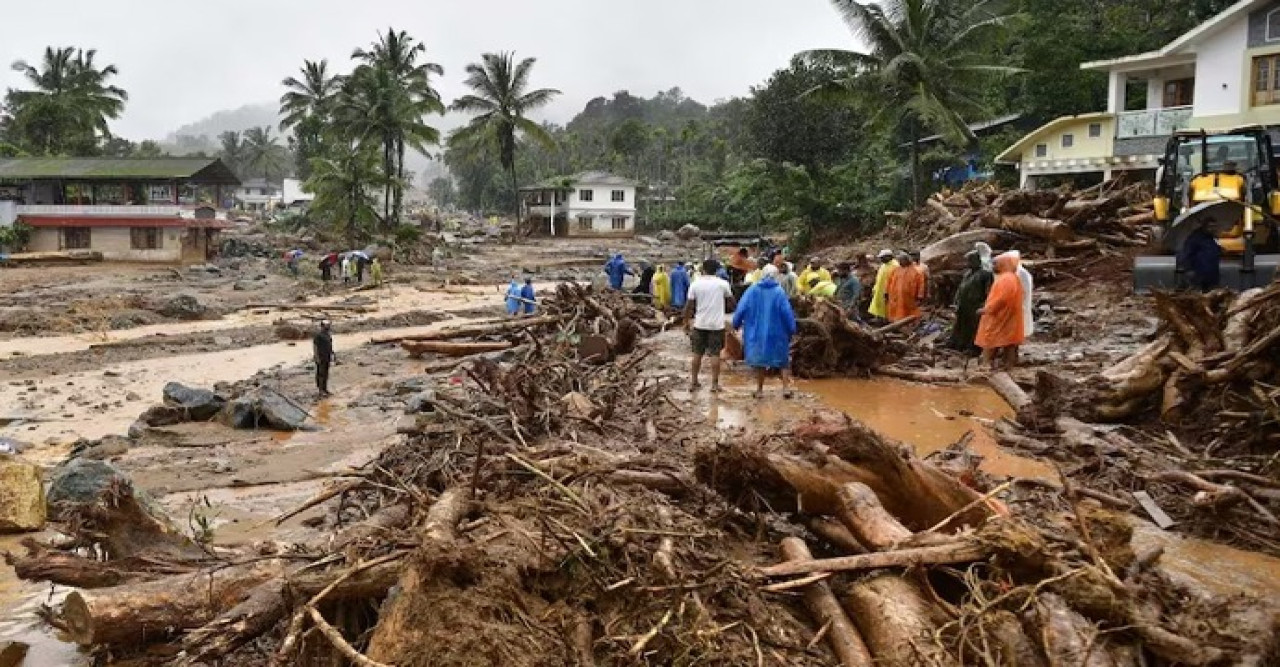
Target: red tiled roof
[119,221]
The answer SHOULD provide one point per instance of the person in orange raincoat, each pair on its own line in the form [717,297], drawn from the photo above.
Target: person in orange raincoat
[906,289]
[1000,331]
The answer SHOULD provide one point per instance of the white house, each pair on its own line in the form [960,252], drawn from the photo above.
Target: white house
[589,203]
[1222,74]
[258,194]
[293,196]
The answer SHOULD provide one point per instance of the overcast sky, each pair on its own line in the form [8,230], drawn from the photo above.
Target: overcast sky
[182,60]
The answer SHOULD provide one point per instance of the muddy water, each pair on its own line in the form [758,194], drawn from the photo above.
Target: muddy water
[394,301]
[19,601]
[1214,567]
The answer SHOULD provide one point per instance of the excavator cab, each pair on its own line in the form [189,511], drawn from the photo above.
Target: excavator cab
[1226,181]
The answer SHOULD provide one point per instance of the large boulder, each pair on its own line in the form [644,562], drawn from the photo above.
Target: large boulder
[183,307]
[163,415]
[197,404]
[689,233]
[22,505]
[263,408]
[80,481]
[666,236]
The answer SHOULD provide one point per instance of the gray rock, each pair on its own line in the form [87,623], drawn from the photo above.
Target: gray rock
[137,429]
[420,402]
[162,415]
[248,285]
[81,481]
[666,236]
[183,307]
[689,233]
[263,408]
[199,404]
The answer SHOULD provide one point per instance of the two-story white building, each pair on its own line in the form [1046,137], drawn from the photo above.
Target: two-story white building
[1222,74]
[258,195]
[590,203]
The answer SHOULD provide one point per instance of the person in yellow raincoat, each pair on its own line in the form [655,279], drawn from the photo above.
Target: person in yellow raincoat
[661,288]
[879,294]
[376,267]
[814,270]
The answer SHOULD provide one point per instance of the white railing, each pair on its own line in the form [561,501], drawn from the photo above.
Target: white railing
[97,210]
[545,210]
[1152,122]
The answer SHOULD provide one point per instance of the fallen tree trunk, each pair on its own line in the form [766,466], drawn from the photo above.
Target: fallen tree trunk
[948,254]
[473,331]
[1030,225]
[896,621]
[42,563]
[845,641]
[864,516]
[1009,391]
[960,551]
[452,349]
[312,306]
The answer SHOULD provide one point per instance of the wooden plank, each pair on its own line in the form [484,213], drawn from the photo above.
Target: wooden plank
[1153,510]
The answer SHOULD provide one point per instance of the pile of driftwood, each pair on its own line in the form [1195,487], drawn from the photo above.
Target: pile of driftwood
[1201,404]
[827,343]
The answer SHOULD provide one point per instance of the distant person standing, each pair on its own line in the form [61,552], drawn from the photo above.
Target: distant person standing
[376,269]
[849,292]
[906,289]
[787,279]
[679,286]
[1028,289]
[322,345]
[346,270]
[513,297]
[661,288]
[1200,256]
[326,267]
[645,284]
[291,261]
[970,298]
[767,324]
[879,307]
[618,270]
[709,298]
[529,297]
[1001,330]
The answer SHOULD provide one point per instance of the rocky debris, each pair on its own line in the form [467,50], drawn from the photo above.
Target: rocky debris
[689,233]
[420,402]
[290,331]
[249,285]
[263,408]
[22,501]
[204,268]
[666,236]
[198,404]
[243,246]
[183,307]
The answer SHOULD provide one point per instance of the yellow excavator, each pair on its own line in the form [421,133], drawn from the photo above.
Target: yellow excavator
[1227,181]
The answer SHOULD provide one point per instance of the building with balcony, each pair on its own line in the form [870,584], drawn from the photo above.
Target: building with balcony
[129,209]
[1224,73]
[589,203]
[258,195]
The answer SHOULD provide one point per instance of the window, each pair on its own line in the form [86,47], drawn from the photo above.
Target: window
[586,195]
[619,195]
[619,223]
[145,238]
[1095,130]
[1266,80]
[584,222]
[1273,25]
[160,193]
[1179,92]
[1042,150]
[262,191]
[76,238]
[1068,140]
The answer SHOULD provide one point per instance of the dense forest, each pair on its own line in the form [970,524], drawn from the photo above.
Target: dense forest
[828,140]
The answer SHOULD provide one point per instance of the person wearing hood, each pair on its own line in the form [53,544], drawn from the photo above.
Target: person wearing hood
[755,275]
[513,297]
[528,297]
[661,288]
[879,307]
[906,290]
[618,270]
[984,254]
[814,270]
[1028,285]
[1001,331]
[645,284]
[679,286]
[969,299]
[768,323]
[376,271]
[849,292]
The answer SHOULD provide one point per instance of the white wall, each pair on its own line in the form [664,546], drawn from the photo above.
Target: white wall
[602,198]
[1220,74]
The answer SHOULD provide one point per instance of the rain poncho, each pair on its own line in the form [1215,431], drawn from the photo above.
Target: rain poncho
[513,297]
[679,286]
[768,323]
[825,289]
[809,274]
[984,254]
[617,269]
[969,298]
[661,288]
[377,272]
[788,283]
[906,290]
[530,298]
[1001,324]
[1200,254]
[1028,286]
[645,286]
[879,304]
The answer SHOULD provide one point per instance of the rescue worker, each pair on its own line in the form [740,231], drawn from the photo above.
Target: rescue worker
[787,279]
[1001,330]
[1028,287]
[879,307]
[513,297]
[906,290]
[1199,256]
[376,271]
[970,297]
[768,323]
[618,270]
[322,345]
[529,297]
[849,292]
[810,272]
[821,289]
[661,288]
[679,286]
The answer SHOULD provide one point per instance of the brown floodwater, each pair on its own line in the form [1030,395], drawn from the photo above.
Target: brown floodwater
[19,601]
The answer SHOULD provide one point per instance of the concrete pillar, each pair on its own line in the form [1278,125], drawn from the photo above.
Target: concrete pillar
[1028,182]
[1155,92]
[1116,82]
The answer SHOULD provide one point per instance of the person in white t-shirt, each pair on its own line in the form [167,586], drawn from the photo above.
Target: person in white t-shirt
[709,299]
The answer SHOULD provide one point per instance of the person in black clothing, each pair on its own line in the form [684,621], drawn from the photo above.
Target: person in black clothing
[1199,256]
[645,286]
[326,269]
[323,344]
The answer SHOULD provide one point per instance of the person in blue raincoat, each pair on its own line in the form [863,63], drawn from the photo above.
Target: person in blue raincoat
[513,297]
[679,286]
[617,269]
[767,322]
[530,298]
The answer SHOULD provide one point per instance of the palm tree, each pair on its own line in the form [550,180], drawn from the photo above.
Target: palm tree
[385,101]
[71,101]
[310,96]
[232,152]
[923,59]
[500,99]
[263,152]
[341,183]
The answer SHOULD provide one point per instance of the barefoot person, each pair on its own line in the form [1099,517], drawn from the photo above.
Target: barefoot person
[709,298]
[323,347]
[1001,330]
[768,323]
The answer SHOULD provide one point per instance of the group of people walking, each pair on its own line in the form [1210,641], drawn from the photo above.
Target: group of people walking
[351,267]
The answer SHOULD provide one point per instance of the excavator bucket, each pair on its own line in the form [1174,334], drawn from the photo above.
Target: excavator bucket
[1162,271]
